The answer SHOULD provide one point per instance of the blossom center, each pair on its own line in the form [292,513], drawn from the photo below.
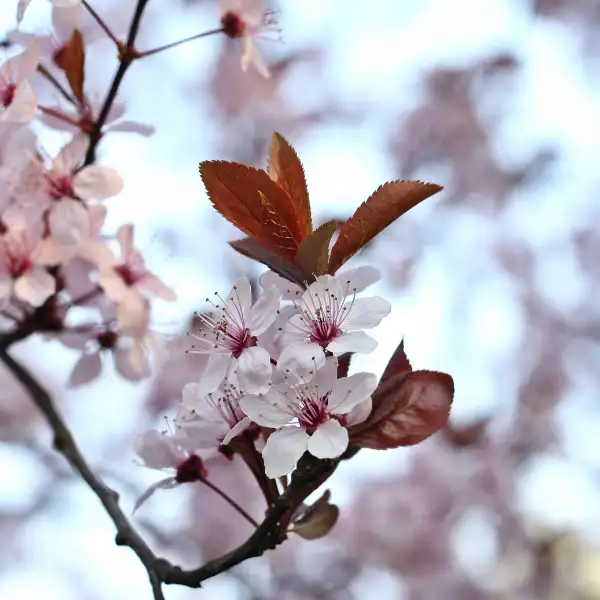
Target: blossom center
[191,469]
[128,274]
[60,186]
[233,25]
[7,94]
[226,404]
[107,339]
[312,411]
[323,331]
[18,265]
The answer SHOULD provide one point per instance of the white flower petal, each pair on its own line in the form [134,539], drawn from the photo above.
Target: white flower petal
[86,369]
[289,290]
[72,154]
[214,373]
[113,285]
[96,182]
[35,287]
[23,107]
[6,289]
[239,300]
[203,435]
[359,413]
[298,363]
[264,311]
[254,370]
[270,410]
[364,313]
[98,253]
[158,451]
[359,278]
[353,341]
[142,129]
[347,392]
[189,394]
[125,239]
[69,222]
[330,440]
[164,484]
[237,429]
[283,450]
[158,288]
[326,376]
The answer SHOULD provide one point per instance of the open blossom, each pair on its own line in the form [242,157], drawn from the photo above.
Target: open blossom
[63,192]
[172,452]
[231,339]
[130,273]
[312,416]
[245,20]
[215,418]
[18,103]
[19,273]
[330,315]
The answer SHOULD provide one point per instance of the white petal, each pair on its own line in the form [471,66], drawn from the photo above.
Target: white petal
[6,289]
[96,182]
[330,440]
[113,285]
[347,392]
[98,253]
[164,484]
[364,313]
[132,127]
[203,435]
[69,222]
[321,292]
[359,413]
[72,154]
[289,290]
[353,341]
[237,429]
[275,339]
[189,394]
[49,252]
[264,311]
[269,410]
[86,369]
[124,367]
[158,451]
[327,375]
[214,373]
[158,288]
[125,239]
[21,8]
[65,19]
[23,107]
[36,286]
[254,370]
[239,300]
[298,363]
[297,327]
[358,279]
[283,450]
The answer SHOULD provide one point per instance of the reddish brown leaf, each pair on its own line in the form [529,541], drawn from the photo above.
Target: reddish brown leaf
[420,402]
[383,207]
[343,365]
[71,59]
[313,254]
[286,170]
[318,519]
[254,203]
[252,249]
[398,364]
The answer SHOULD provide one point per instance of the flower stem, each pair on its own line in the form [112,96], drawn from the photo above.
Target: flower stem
[102,23]
[174,44]
[42,70]
[58,115]
[230,501]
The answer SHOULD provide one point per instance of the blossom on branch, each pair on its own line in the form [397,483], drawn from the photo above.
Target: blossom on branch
[313,416]
[231,339]
[18,103]
[246,20]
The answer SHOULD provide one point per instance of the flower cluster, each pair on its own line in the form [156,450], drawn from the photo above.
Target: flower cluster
[272,365]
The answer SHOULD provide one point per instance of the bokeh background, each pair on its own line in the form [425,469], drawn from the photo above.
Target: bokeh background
[496,280]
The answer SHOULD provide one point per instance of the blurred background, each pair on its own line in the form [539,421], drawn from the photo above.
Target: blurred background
[495,280]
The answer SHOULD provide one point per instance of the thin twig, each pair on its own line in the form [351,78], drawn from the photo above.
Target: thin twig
[128,55]
[102,23]
[42,70]
[179,43]
[230,501]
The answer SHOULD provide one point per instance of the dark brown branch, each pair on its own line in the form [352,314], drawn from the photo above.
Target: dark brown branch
[101,22]
[127,55]
[42,70]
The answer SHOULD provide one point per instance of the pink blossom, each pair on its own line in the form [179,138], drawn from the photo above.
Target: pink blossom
[246,20]
[231,339]
[312,415]
[131,274]
[19,273]
[18,103]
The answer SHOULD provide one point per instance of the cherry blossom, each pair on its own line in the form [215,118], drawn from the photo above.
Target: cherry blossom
[330,315]
[171,452]
[18,103]
[312,416]
[245,20]
[215,418]
[131,272]
[19,273]
[231,339]
[64,192]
